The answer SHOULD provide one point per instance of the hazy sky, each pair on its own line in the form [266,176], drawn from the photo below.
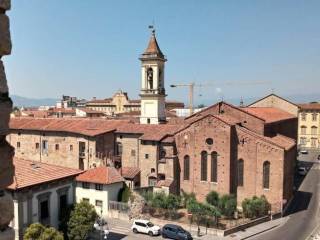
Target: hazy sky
[90,48]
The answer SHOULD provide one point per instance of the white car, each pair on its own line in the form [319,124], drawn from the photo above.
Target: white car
[302,171]
[303,151]
[145,226]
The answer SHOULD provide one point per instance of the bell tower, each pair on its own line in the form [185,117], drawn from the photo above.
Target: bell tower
[152,91]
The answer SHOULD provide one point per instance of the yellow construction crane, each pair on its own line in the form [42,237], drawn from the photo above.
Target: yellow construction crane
[192,85]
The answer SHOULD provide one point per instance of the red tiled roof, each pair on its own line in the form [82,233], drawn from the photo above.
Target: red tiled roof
[164,183]
[150,132]
[309,106]
[88,110]
[29,173]
[87,127]
[269,114]
[278,140]
[153,47]
[101,175]
[62,110]
[129,172]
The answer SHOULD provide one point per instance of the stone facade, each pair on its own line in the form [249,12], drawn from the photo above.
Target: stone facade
[6,151]
[63,149]
[273,100]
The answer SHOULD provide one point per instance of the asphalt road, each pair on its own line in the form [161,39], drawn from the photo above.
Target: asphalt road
[303,212]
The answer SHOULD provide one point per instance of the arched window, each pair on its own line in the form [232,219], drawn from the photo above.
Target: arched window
[314,130]
[266,174]
[240,172]
[214,167]
[204,165]
[186,167]
[303,129]
[150,78]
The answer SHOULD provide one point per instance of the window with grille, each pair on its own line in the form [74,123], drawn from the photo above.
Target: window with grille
[266,174]
[214,167]
[314,130]
[204,165]
[186,167]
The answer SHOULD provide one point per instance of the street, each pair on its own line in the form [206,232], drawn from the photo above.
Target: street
[304,210]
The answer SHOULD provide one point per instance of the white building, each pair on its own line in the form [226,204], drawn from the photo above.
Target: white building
[98,186]
[152,91]
[40,192]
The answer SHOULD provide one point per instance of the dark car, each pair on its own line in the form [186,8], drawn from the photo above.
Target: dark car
[175,232]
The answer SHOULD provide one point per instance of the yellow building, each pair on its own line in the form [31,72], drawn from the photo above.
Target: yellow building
[309,125]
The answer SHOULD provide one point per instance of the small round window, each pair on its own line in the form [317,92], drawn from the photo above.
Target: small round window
[209,141]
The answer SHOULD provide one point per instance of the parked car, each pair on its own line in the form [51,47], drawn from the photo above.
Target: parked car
[303,151]
[175,232]
[302,171]
[145,226]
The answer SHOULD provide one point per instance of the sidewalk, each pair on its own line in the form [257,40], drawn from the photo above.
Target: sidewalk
[245,234]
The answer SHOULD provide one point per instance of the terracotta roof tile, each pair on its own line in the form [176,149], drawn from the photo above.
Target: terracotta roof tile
[269,114]
[87,127]
[129,172]
[101,175]
[309,106]
[165,183]
[153,47]
[29,173]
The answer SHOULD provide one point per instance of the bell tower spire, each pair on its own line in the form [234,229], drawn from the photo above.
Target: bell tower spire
[152,91]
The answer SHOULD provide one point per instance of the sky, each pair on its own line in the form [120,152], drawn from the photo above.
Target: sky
[91,48]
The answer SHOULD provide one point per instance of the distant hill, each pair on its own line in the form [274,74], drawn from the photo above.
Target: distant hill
[19,101]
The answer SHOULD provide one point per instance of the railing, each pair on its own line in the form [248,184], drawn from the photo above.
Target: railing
[119,206]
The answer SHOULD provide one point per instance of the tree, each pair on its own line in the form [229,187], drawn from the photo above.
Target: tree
[197,210]
[51,233]
[255,207]
[64,219]
[159,200]
[124,194]
[37,231]
[213,198]
[81,220]
[186,197]
[228,205]
[172,202]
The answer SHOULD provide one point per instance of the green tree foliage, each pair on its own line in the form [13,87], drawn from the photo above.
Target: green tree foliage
[37,231]
[203,212]
[213,198]
[81,220]
[186,197]
[228,205]
[124,194]
[255,207]
[159,200]
[172,202]
[64,219]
